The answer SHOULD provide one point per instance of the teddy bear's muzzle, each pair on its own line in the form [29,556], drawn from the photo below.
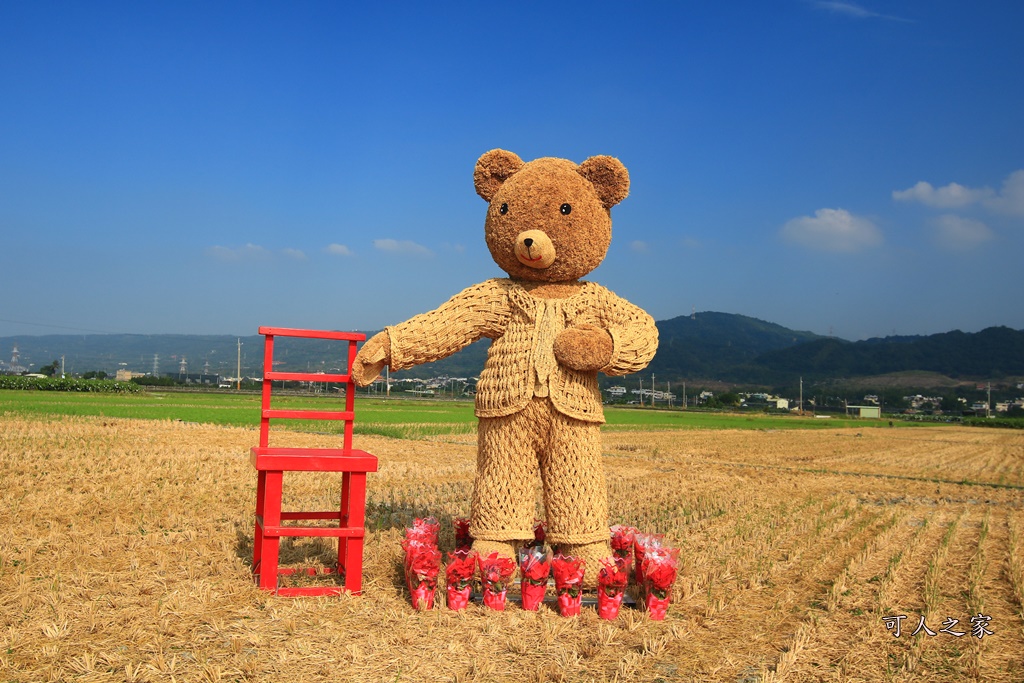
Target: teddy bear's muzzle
[535,249]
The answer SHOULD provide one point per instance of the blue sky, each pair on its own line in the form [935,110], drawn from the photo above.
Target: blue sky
[846,168]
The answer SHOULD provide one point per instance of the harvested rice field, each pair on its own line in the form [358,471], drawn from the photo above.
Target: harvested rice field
[125,552]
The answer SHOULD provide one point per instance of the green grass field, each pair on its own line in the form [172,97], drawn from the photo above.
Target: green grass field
[405,418]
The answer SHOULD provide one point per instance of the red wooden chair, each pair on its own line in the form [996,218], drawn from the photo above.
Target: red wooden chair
[347,522]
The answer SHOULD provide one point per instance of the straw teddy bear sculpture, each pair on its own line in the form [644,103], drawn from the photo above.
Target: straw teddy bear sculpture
[538,403]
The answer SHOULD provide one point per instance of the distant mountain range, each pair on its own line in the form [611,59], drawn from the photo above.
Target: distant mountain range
[708,346]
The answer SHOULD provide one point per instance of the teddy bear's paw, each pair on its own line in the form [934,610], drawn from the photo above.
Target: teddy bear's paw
[585,348]
[371,359]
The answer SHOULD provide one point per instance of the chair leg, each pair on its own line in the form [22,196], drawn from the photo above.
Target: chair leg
[269,549]
[257,536]
[355,512]
[343,523]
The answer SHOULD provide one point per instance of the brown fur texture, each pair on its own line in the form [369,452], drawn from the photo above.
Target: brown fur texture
[548,224]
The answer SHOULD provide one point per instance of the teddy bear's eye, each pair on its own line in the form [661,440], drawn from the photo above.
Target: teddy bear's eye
[503,210]
[566,209]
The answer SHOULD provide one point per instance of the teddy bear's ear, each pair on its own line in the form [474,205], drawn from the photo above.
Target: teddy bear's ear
[493,169]
[609,177]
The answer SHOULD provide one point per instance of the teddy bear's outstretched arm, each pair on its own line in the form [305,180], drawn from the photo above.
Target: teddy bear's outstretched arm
[473,313]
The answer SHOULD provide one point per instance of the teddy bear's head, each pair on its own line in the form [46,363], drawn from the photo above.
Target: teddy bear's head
[549,220]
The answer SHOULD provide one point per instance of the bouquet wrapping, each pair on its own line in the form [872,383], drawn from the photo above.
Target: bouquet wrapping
[657,608]
[611,586]
[422,561]
[568,573]
[495,573]
[422,565]
[623,538]
[463,541]
[534,569]
[459,578]
[660,568]
[642,544]
[424,530]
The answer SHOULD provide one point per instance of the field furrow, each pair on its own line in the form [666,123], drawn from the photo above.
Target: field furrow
[992,595]
[947,589]
[816,647]
[851,640]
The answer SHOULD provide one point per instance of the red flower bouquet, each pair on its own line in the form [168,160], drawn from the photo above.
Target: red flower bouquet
[463,541]
[622,540]
[413,548]
[534,569]
[660,568]
[611,584]
[495,573]
[423,564]
[642,543]
[459,578]
[568,573]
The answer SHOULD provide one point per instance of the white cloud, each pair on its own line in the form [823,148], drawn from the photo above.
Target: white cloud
[854,10]
[296,254]
[957,233]
[1010,199]
[402,247]
[338,250]
[248,252]
[835,230]
[639,246]
[948,197]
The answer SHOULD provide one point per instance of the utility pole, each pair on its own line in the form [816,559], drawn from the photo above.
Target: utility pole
[652,389]
[238,370]
[684,395]
[801,395]
[641,390]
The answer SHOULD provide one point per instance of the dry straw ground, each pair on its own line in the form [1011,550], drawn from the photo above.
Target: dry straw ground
[124,550]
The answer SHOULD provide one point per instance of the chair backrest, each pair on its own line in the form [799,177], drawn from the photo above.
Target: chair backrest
[268,413]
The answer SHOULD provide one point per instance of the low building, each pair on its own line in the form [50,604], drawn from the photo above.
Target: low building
[870,412]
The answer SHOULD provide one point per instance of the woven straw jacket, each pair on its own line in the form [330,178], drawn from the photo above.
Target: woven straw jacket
[521,363]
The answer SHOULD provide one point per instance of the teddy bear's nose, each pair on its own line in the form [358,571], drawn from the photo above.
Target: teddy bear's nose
[528,242]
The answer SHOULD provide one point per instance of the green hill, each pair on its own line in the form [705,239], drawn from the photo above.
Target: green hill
[707,346]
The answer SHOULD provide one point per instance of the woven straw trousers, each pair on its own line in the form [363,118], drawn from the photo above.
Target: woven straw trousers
[567,454]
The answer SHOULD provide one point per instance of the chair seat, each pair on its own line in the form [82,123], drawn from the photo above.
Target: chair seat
[312,459]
